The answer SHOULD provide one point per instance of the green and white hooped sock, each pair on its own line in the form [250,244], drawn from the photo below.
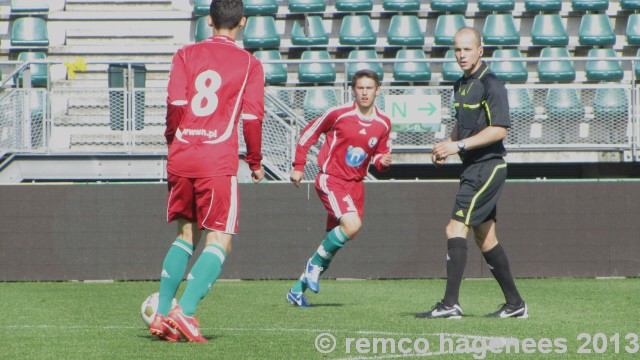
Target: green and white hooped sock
[202,276]
[173,268]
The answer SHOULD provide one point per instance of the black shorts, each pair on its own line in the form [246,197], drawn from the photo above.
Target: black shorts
[480,187]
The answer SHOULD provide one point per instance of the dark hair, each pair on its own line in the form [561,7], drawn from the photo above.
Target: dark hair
[226,14]
[364,73]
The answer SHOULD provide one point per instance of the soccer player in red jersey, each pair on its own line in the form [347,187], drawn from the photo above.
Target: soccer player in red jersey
[357,134]
[212,85]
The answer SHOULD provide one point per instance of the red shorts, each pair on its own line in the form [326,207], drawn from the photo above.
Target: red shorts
[212,203]
[339,197]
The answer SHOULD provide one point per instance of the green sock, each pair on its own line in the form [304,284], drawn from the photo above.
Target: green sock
[203,275]
[173,268]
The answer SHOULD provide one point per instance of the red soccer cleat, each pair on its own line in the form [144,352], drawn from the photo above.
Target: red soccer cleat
[160,328]
[188,326]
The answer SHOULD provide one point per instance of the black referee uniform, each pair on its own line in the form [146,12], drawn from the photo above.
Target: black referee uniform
[480,101]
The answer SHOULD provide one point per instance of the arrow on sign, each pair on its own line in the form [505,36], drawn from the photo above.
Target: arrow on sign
[431,109]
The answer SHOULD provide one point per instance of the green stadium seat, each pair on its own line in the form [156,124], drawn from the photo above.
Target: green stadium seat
[556,70]
[446,27]
[38,71]
[449,5]
[201,7]
[603,70]
[307,5]
[451,71]
[522,113]
[316,72]
[564,114]
[273,73]
[630,4]
[633,29]
[29,6]
[314,34]
[548,29]
[354,5]
[258,7]
[404,30]
[29,31]
[203,30]
[496,5]
[317,101]
[371,64]
[411,71]
[595,29]
[500,29]
[357,30]
[401,5]
[637,66]
[260,31]
[611,116]
[509,70]
[589,5]
[543,5]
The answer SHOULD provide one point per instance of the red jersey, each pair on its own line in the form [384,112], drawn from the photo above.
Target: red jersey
[211,86]
[352,142]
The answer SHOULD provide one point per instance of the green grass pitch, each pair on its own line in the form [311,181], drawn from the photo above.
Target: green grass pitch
[251,320]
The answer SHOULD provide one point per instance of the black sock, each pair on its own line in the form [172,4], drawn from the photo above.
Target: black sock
[456,261]
[499,265]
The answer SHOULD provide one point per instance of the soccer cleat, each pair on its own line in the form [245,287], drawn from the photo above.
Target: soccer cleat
[441,311]
[312,276]
[188,326]
[514,311]
[162,330]
[297,299]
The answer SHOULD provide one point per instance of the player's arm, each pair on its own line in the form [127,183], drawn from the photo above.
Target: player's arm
[382,157]
[310,136]
[177,96]
[252,116]
[436,158]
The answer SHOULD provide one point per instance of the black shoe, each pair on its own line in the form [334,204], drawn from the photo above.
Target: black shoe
[441,311]
[514,311]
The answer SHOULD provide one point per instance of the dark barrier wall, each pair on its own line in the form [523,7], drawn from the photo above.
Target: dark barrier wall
[81,232]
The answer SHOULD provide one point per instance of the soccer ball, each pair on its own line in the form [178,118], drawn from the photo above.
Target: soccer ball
[150,306]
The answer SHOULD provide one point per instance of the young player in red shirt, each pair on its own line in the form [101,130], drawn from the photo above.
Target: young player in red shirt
[357,134]
[212,85]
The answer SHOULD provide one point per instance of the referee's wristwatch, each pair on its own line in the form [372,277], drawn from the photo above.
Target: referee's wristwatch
[461,146]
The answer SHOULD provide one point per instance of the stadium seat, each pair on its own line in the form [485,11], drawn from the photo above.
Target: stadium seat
[509,70]
[258,7]
[449,5]
[637,66]
[316,72]
[446,27]
[404,30]
[401,5]
[260,31]
[630,4]
[364,55]
[522,113]
[543,5]
[564,114]
[451,71]
[314,34]
[273,73]
[29,6]
[203,30]
[548,29]
[633,29]
[29,31]
[354,5]
[500,29]
[38,71]
[595,29]
[556,70]
[307,5]
[317,101]
[589,5]
[201,7]
[411,71]
[611,114]
[496,5]
[357,30]
[603,70]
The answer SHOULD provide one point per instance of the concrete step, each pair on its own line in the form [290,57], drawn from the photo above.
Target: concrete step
[115,5]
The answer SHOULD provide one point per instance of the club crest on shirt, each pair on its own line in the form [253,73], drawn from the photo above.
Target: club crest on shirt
[373,141]
[355,156]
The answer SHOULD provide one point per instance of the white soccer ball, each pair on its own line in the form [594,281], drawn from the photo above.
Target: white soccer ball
[150,306]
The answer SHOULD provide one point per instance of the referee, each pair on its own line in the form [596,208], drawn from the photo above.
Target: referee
[482,120]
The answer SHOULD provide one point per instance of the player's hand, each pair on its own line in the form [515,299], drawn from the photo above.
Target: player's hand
[437,160]
[443,149]
[295,177]
[386,160]
[257,175]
